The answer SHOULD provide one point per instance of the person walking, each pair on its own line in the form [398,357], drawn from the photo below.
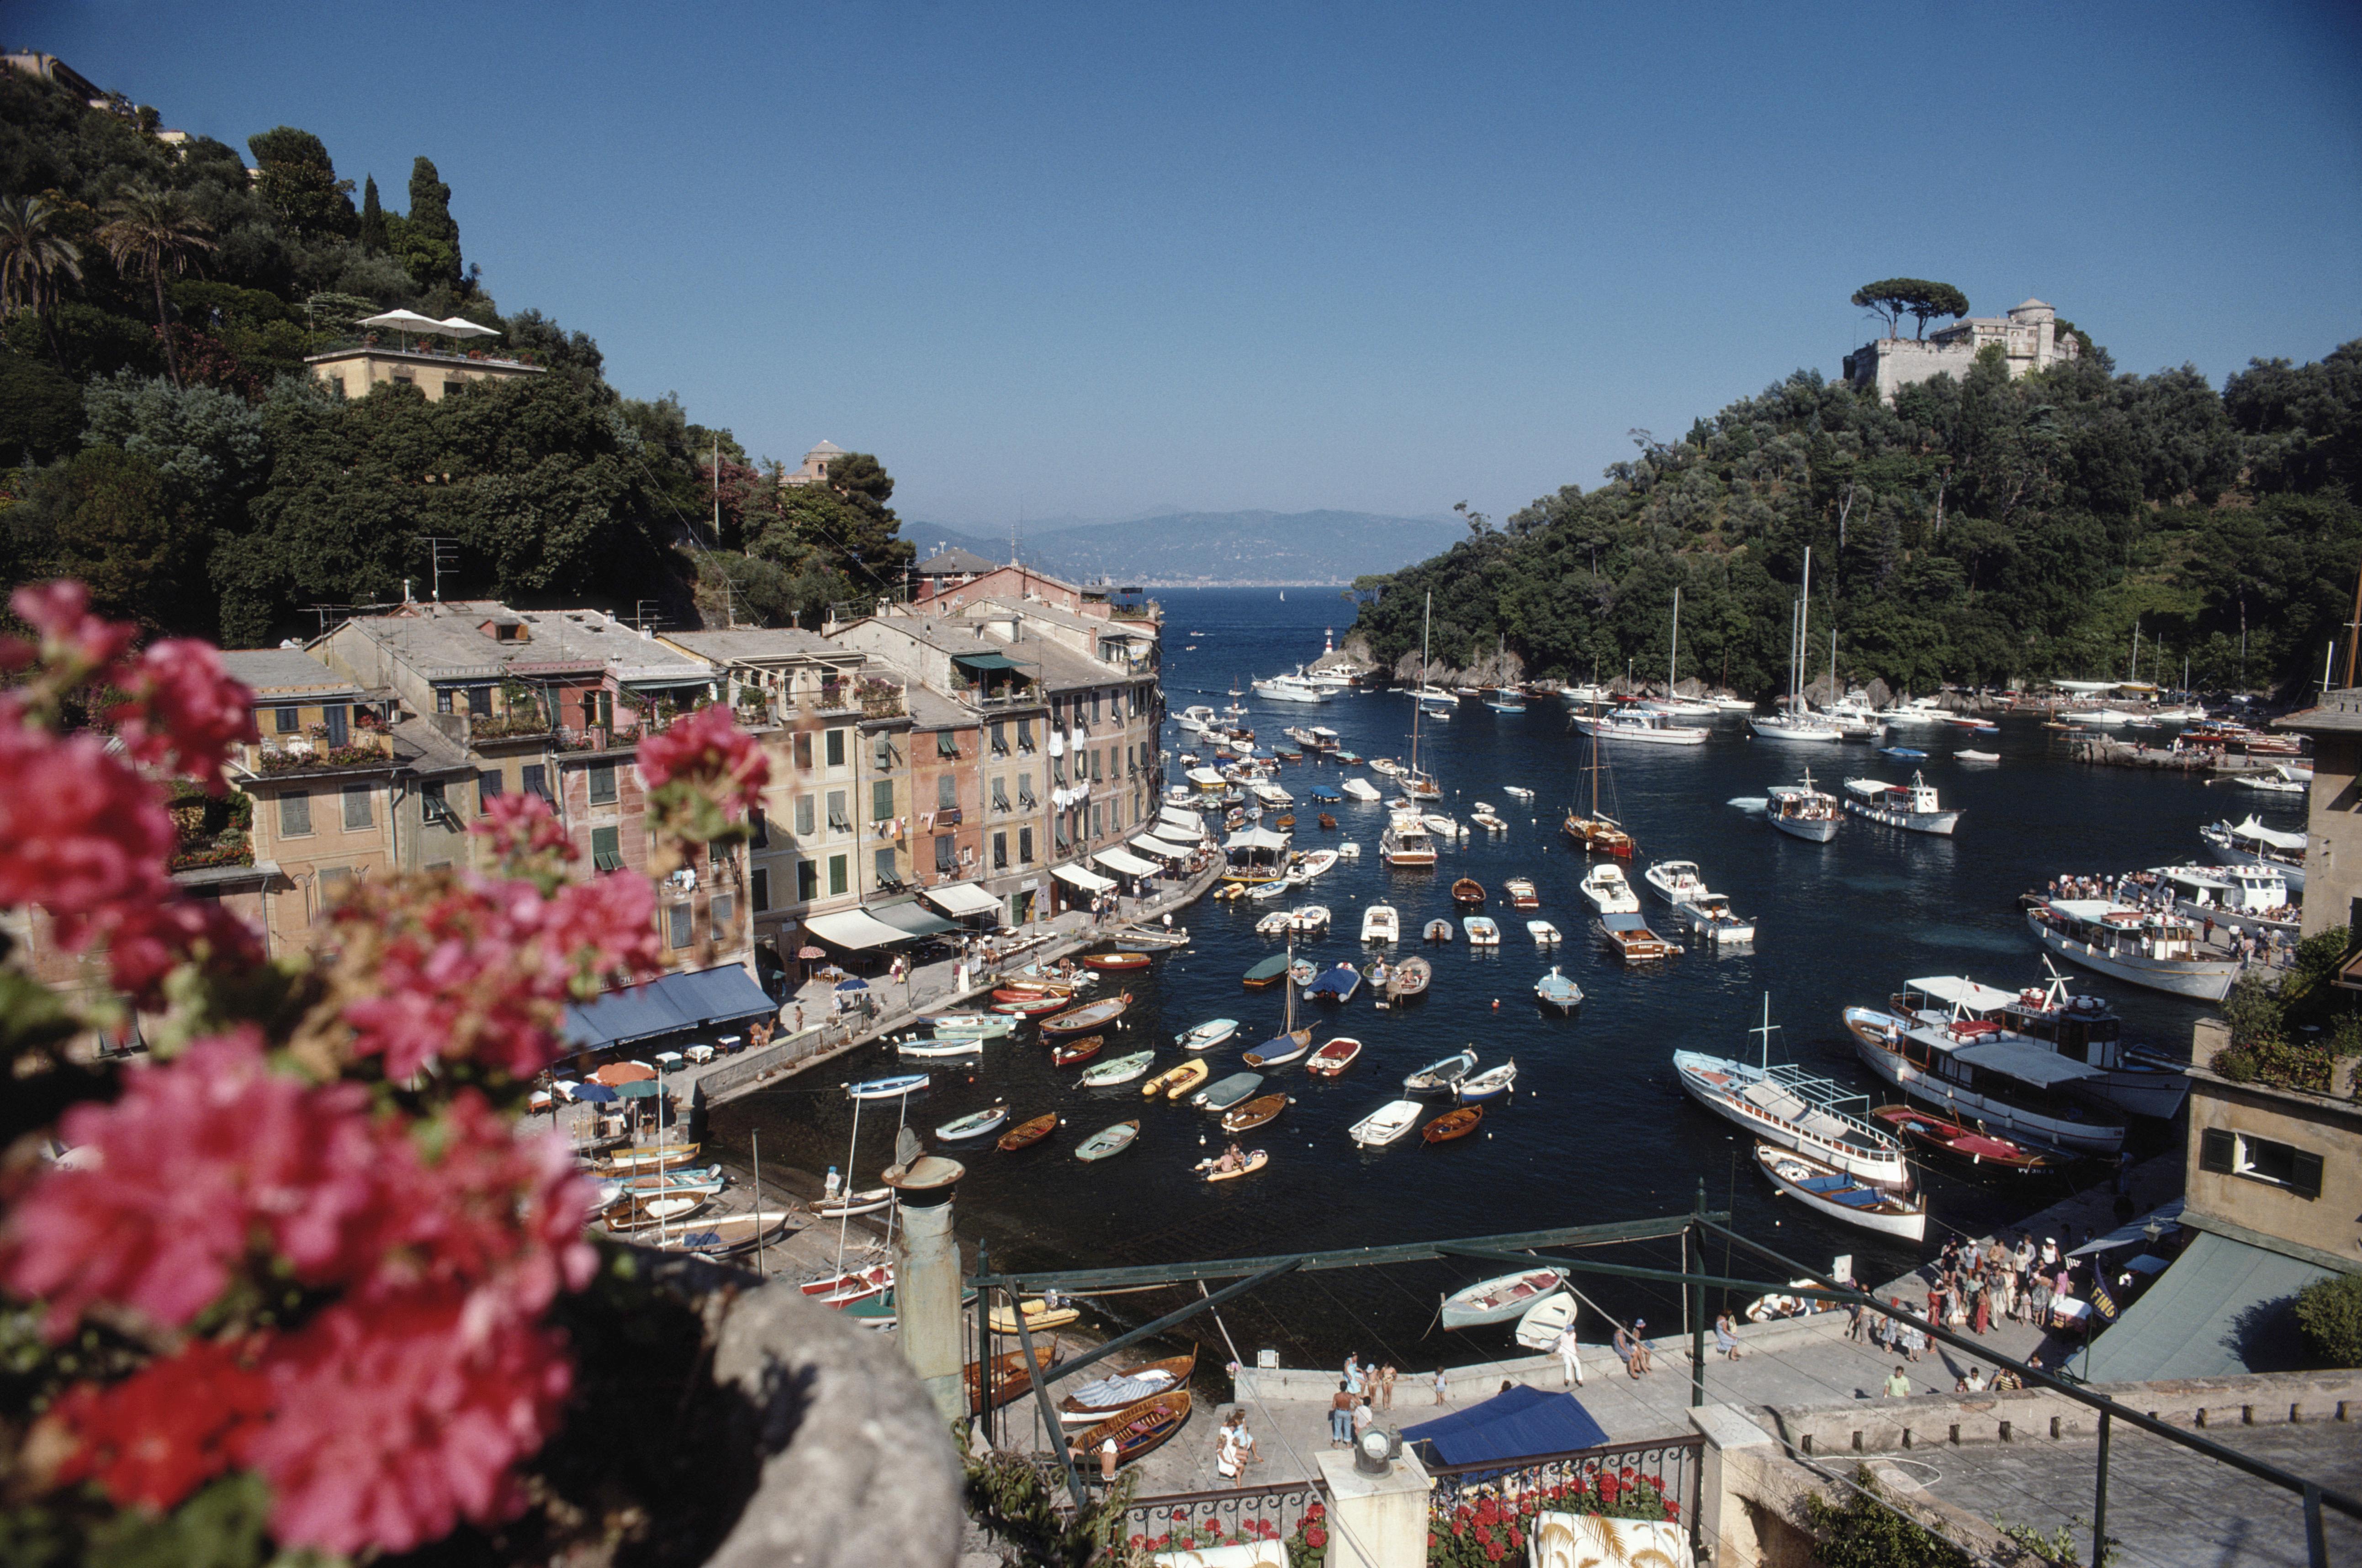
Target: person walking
[1439,1384]
[1340,1416]
[1570,1358]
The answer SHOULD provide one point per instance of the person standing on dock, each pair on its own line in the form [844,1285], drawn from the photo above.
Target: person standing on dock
[1568,1356]
[1340,1414]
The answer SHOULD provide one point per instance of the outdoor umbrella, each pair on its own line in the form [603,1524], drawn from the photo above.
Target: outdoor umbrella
[855,983]
[460,327]
[597,1093]
[808,954]
[621,1072]
[406,321]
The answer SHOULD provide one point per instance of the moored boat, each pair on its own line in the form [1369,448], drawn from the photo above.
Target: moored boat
[2163,952]
[1794,1109]
[1381,924]
[1334,1056]
[1387,1123]
[1440,1075]
[1026,1133]
[1468,892]
[1610,891]
[1498,1300]
[974,1125]
[1842,1195]
[1116,1070]
[984,1025]
[1676,881]
[1557,991]
[1335,983]
[1074,1051]
[1490,1084]
[891,1087]
[1173,1082]
[1967,1070]
[1114,961]
[1279,1051]
[1481,931]
[1634,942]
[919,1049]
[1108,1141]
[1254,1112]
[1544,934]
[1268,973]
[1410,980]
[1208,1034]
[1453,1125]
[1801,811]
[1941,1134]
[1225,1092]
[1090,1015]
[1914,807]
[1438,931]
[1521,893]
[1136,1428]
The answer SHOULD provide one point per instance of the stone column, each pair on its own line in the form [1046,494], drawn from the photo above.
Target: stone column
[1735,1450]
[1375,1522]
[927,1280]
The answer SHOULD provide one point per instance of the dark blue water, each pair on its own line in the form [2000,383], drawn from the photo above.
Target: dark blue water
[1598,1130]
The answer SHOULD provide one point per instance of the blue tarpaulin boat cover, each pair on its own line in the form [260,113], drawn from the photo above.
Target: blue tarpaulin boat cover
[1515,1425]
[669,1004]
[1339,981]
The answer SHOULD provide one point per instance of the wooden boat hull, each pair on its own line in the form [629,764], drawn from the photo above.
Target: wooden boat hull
[1089,1016]
[1468,892]
[1114,961]
[1453,1125]
[1013,1378]
[1033,1009]
[1411,979]
[1940,1135]
[1829,1191]
[1253,1114]
[1074,1051]
[1038,1318]
[869,1200]
[653,1157]
[1498,1300]
[1137,1429]
[1108,1141]
[1174,1368]
[1025,1135]
[974,1127]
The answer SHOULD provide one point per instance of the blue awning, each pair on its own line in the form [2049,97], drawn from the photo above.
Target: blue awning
[670,1005]
[1518,1424]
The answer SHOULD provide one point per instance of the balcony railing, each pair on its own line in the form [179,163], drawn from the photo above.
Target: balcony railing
[506,726]
[361,749]
[207,856]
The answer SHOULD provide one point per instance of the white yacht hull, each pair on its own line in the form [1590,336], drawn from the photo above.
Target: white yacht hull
[1998,1116]
[1909,821]
[2205,979]
[1885,1168]
[2225,855]
[1811,829]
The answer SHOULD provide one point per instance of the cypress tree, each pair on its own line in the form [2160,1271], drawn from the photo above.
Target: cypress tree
[430,226]
[373,235]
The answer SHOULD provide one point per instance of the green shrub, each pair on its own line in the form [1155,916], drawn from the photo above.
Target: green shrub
[1866,1532]
[2330,1312]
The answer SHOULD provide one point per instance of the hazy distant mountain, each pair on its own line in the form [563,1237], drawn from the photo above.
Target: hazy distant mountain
[1223,549]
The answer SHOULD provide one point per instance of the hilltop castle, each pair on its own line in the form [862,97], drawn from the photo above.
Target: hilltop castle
[2028,336]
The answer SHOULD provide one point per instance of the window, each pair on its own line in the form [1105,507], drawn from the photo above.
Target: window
[762,889]
[882,867]
[443,699]
[881,800]
[836,748]
[602,784]
[598,711]
[839,874]
[762,839]
[2260,1159]
[803,751]
[1058,828]
[947,742]
[537,780]
[1001,852]
[358,812]
[294,815]
[1001,795]
[1096,829]
[336,885]
[807,881]
[1059,773]
[1025,845]
[434,808]
[479,701]
[840,816]
[607,849]
[488,789]
[806,823]
[680,925]
[722,917]
[1094,708]
[286,720]
[946,852]
[1025,791]
[882,753]
[1025,735]
[946,792]
[1095,765]
[999,733]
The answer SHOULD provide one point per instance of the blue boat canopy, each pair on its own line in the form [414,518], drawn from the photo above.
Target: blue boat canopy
[1326,792]
[1338,981]
[1627,921]
[669,1004]
[1517,1424]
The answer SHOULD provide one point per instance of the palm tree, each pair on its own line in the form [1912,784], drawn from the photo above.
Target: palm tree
[32,254]
[152,231]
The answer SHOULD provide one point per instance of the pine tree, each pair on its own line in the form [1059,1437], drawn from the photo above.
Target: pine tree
[373,234]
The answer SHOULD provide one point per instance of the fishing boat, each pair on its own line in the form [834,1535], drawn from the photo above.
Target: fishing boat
[1118,1069]
[1406,842]
[1842,1195]
[1453,1125]
[1468,892]
[1557,991]
[1106,962]
[1381,924]
[1334,1056]
[974,1125]
[1676,881]
[1040,1317]
[1267,973]
[1025,1135]
[1437,931]
[1794,1109]
[1596,833]
[1105,1397]
[1544,934]
[1108,1141]
[1134,1429]
[867,1201]
[1336,984]
[1481,931]
[1440,1075]
[2163,952]
[892,1088]
[925,1049]
[1012,1376]
[1089,1016]
[982,1026]
[1411,981]
[1208,1034]
[1254,1112]
[726,1236]
[2251,842]
[1490,1084]
[1173,1082]
[1609,890]
[1387,1123]
[1629,935]
[1225,1092]
[1965,1069]
[1802,812]
[1913,807]
[1498,1300]
[1941,1134]
[1075,1051]
[1521,893]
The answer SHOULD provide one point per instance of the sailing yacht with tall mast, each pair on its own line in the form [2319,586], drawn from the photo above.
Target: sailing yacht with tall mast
[1417,784]
[1796,721]
[1672,702]
[1597,833]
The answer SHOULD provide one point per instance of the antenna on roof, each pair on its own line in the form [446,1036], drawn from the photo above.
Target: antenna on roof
[434,548]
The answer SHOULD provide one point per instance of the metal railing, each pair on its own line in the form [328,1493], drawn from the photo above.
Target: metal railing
[1659,1479]
[1185,1522]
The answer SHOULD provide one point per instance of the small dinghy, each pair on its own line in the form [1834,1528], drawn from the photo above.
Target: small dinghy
[1074,1051]
[1089,1016]
[925,1050]
[856,1284]
[1208,1034]
[1040,1316]
[1254,1112]
[1556,991]
[1842,1197]
[1481,931]
[1118,1069]
[1490,1084]
[1267,973]
[1097,1401]
[1328,822]
[1025,1135]
[1410,980]
[638,1214]
[1279,1051]
[1107,963]
[1225,1092]
[1334,1056]
[1387,1123]
[892,1088]
[1538,1328]
[649,1157]
[1498,1300]
[1108,1141]
[1903,753]
[1544,934]
[1173,1082]
[1134,1429]
[984,1025]
[1032,1007]
[1943,1135]
[1438,931]
[975,1126]
[1013,1378]
[869,1200]
[1468,892]
[1441,1074]
[1453,1125]
[1978,756]
[1337,984]
[1212,1169]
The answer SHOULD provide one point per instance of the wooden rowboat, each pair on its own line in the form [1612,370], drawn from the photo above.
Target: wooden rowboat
[1030,993]
[1410,980]
[1034,1008]
[1173,1372]
[1025,1135]
[1944,1135]
[1335,1057]
[1074,1051]
[1468,892]
[1254,1112]
[1089,1016]
[1013,1378]
[1108,1141]
[1453,1125]
[649,1156]
[1039,1316]
[1328,822]
[1116,960]
[1135,1429]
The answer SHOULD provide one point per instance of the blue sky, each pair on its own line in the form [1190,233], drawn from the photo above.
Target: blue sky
[1097,259]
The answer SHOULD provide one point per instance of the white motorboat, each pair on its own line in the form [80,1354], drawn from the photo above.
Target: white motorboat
[1676,881]
[1443,827]
[1610,891]
[1978,756]
[1310,920]
[1406,842]
[1349,850]
[2136,1079]
[1542,1322]
[1435,696]
[1208,1034]
[1917,710]
[2253,897]
[974,1125]
[2272,784]
[1381,924]
[1556,990]
[929,1049]
[1842,1195]
[1544,934]
[1440,1075]
[1195,719]
[1520,790]
[1289,688]
[2160,951]
[1387,1123]
[2013,1088]
[1587,696]
[2251,842]
[1794,1109]
[892,1088]
[1913,807]
[1633,725]
[1481,931]
[1319,862]
[1802,812]
[1709,914]
[1361,790]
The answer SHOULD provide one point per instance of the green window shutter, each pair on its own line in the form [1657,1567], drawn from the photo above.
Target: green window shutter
[836,748]
[838,879]
[2215,1152]
[2304,1178]
[607,849]
[881,800]
[680,925]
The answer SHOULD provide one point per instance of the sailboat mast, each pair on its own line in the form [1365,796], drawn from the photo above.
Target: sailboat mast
[1418,699]
[1803,631]
[1673,656]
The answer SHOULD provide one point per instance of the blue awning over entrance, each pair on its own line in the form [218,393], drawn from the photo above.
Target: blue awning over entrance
[1515,1425]
[669,1005]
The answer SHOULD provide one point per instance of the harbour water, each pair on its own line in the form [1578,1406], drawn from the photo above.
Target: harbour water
[1597,1130]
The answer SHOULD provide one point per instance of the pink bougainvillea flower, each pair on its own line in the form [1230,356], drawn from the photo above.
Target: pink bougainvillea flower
[185,711]
[706,747]
[81,834]
[394,1420]
[523,827]
[148,942]
[176,1423]
[72,637]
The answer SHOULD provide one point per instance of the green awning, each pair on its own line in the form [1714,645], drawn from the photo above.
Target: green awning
[2224,1308]
[986,661]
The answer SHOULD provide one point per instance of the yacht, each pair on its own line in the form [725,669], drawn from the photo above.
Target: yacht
[1406,842]
[1802,812]
[1289,688]
[1966,1069]
[1432,697]
[1676,881]
[1709,914]
[2251,842]
[1586,696]
[1634,724]
[1360,789]
[1913,807]
[1505,699]
[1609,891]
[1196,719]
[2138,1079]
[1793,727]
[1917,710]
[2160,951]
[1795,1109]
[2252,897]
[1381,924]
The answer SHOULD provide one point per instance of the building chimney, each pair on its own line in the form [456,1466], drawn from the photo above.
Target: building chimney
[927,1275]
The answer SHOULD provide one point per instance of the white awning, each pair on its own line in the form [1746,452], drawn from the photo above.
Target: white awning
[1148,844]
[961,899]
[1255,838]
[1089,881]
[1955,990]
[2251,829]
[1190,821]
[853,928]
[1130,865]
